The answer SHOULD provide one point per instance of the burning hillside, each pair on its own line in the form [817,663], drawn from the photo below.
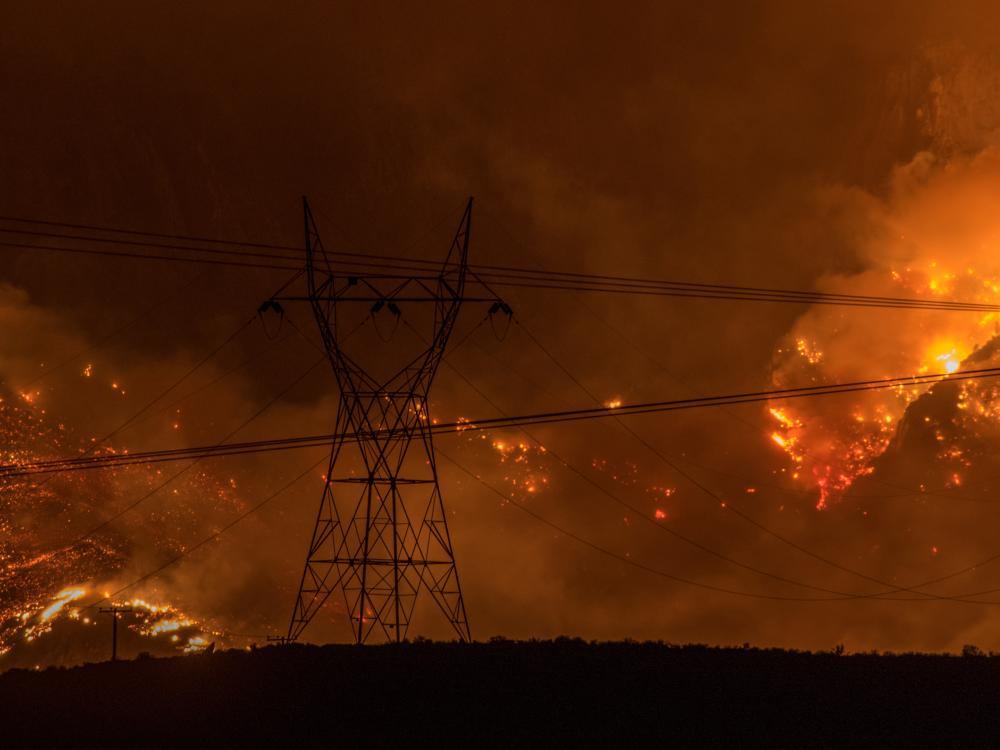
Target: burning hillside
[59,556]
[934,238]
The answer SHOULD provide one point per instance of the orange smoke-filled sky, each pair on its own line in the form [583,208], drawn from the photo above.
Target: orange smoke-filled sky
[840,147]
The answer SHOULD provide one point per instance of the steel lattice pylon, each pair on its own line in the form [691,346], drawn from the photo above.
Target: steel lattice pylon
[382,537]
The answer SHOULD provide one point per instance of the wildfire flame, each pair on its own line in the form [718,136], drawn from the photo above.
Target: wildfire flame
[43,520]
[146,619]
[933,213]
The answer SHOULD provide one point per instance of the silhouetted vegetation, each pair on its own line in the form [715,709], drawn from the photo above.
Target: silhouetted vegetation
[512,693]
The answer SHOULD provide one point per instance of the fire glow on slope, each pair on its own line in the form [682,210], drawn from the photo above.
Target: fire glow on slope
[146,619]
[937,238]
[45,520]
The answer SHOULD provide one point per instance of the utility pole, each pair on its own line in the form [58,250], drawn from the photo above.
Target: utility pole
[381,533]
[114,612]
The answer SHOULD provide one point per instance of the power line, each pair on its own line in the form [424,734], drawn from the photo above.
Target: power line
[177,383]
[679,579]
[176,475]
[741,514]
[503,276]
[149,256]
[628,506]
[772,295]
[132,506]
[198,545]
[954,574]
[140,233]
[686,290]
[759,429]
[538,517]
[638,512]
[909,492]
[621,558]
[114,333]
[589,480]
[154,245]
[136,503]
[169,389]
[135,415]
[892,588]
[270,348]
[462,425]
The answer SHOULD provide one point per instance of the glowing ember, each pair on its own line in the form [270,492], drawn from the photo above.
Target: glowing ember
[808,352]
[526,471]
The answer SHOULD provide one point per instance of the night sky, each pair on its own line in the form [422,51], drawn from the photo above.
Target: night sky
[846,148]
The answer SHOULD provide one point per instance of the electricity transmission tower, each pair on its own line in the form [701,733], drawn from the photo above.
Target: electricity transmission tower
[381,534]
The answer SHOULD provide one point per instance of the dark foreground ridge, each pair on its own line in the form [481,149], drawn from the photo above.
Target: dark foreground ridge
[506,693]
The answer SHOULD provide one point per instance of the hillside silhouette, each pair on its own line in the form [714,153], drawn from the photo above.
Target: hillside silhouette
[510,694]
